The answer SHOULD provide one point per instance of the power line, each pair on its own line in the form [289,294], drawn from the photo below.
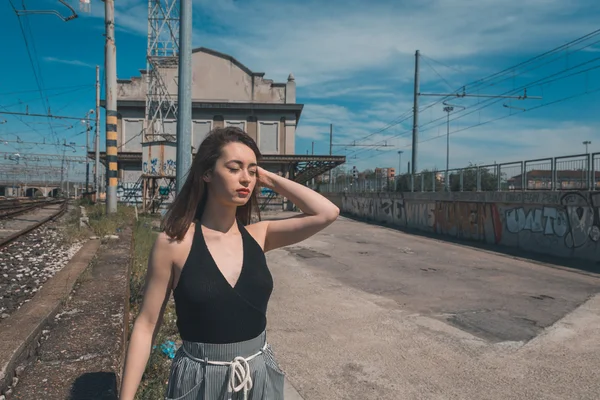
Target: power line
[487,103]
[510,115]
[35,72]
[47,90]
[479,83]
[437,73]
[47,115]
[52,95]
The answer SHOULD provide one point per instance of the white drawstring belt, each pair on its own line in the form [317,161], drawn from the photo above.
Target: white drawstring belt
[239,370]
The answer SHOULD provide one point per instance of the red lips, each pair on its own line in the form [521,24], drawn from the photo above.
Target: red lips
[243,191]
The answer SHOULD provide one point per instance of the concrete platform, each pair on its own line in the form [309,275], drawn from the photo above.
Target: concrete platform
[363,311]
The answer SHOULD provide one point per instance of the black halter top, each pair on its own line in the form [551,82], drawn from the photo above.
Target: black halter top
[208,308]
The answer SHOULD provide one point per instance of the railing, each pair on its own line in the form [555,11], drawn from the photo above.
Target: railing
[576,172]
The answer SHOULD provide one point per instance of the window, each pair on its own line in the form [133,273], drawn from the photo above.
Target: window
[132,135]
[268,138]
[170,130]
[199,131]
[239,124]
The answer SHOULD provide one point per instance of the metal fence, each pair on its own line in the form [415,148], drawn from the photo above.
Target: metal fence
[577,172]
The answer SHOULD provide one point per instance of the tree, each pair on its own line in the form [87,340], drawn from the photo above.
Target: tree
[488,179]
[425,177]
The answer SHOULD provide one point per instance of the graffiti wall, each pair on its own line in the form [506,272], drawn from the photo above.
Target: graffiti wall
[559,223]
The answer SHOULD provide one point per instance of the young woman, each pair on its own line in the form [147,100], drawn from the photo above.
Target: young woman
[212,258]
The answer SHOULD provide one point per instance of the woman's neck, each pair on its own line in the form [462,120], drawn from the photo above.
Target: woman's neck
[218,217]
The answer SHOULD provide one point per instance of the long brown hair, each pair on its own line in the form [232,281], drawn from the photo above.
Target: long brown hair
[191,200]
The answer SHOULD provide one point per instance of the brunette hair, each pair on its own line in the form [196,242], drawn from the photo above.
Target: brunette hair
[191,200]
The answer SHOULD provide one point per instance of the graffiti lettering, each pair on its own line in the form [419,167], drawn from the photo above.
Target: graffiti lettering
[584,221]
[420,215]
[563,224]
[577,220]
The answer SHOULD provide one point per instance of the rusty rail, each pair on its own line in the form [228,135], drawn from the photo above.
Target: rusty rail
[17,208]
[16,235]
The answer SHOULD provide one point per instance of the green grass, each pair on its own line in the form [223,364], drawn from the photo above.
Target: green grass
[111,224]
[155,377]
[71,230]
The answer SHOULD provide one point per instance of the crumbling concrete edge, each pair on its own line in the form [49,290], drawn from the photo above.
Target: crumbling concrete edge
[20,333]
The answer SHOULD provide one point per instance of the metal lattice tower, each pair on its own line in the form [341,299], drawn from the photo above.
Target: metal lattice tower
[161,56]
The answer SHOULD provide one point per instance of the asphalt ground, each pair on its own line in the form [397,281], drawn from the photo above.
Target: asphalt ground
[362,311]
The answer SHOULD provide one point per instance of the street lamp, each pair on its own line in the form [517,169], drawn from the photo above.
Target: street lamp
[586,142]
[448,109]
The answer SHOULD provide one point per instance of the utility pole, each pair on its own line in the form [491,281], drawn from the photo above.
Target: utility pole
[590,178]
[399,161]
[184,94]
[97,141]
[448,110]
[87,149]
[415,133]
[62,168]
[110,70]
[313,148]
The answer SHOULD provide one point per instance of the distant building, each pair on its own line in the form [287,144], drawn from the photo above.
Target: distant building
[385,172]
[542,180]
[224,93]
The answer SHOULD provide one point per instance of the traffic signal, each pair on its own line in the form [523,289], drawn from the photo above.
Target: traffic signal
[354,173]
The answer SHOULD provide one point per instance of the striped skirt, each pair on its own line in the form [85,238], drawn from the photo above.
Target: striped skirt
[232,371]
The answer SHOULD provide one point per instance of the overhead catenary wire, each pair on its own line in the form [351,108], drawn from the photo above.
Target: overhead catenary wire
[36,72]
[543,81]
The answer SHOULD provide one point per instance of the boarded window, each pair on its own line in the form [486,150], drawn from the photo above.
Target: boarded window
[199,131]
[170,130]
[239,124]
[269,143]
[132,140]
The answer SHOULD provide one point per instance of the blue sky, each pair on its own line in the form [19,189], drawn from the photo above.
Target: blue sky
[354,67]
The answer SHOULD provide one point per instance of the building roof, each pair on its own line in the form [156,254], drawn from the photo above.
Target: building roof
[227,57]
[224,56]
[562,174]
[296,108]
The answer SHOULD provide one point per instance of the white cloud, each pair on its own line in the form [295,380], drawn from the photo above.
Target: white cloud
[344,53]
[311,132]
[507,141]
[77,63]
[324,41]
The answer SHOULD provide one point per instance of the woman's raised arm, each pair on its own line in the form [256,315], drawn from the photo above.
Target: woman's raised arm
[317,213]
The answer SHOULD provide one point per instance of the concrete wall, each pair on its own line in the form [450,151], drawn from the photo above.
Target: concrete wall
[565,224]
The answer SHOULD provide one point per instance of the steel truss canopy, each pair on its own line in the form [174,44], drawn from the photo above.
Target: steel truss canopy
[304,167]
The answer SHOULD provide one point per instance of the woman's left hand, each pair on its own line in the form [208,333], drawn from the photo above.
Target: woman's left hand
[265,178]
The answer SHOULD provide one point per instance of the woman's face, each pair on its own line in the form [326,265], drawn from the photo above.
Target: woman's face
[234,176]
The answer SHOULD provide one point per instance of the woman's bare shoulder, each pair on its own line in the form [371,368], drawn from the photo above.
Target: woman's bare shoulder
[164,242]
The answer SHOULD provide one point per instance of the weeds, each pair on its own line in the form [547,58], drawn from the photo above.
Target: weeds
[155,377]
[71,229]
[111,224]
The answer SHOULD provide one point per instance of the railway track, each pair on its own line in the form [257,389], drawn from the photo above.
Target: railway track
[41,212]
[14,207]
